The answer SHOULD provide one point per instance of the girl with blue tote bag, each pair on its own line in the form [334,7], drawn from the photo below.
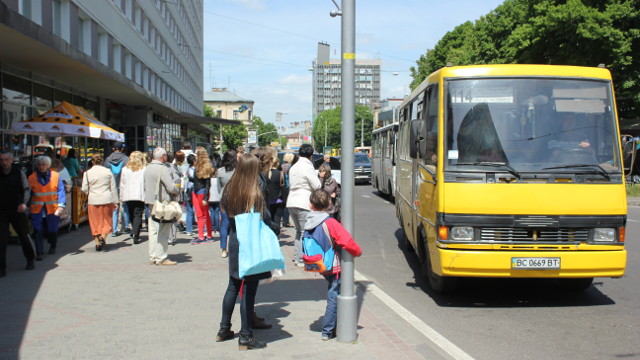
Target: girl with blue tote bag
[240,197]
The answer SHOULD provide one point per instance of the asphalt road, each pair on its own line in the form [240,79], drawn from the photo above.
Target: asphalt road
[506,318]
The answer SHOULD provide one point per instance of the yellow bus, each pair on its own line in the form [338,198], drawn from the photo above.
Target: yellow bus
[512,171]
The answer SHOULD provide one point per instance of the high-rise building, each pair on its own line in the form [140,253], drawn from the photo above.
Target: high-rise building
[136,65]
[327,90]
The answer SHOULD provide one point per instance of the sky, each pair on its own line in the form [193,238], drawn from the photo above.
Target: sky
[262,50]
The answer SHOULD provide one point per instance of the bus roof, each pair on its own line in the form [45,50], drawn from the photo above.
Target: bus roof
[510,70]
[386,127]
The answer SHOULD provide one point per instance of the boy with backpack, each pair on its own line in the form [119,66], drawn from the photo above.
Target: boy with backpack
[116,162]
[322,240]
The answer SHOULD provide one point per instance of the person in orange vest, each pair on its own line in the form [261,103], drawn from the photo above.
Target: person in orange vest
[48,200]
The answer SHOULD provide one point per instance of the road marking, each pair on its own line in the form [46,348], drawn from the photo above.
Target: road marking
[633,220]
[426,330]
[366,196]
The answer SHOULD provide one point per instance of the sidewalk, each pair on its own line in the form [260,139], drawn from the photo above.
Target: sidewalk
[81,304]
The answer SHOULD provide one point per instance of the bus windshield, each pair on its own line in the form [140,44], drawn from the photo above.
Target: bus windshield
[535,124]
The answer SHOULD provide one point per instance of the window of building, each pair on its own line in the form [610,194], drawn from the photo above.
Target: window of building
[56,17]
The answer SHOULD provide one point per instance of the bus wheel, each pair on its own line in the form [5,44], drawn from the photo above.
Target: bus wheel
[577,284]
[439,284]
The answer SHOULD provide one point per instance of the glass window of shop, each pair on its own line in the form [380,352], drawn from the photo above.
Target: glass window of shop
[163,136]
[16,106]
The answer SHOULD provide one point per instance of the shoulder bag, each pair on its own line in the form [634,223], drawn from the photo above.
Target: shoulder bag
[164,210]
[259,249]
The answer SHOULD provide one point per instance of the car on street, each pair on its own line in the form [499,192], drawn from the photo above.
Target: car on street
[362,168]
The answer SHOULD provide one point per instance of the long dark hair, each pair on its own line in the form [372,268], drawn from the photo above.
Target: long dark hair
[229,161]
[242,192]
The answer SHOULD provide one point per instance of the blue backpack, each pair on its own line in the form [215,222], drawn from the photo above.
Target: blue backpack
[116,169]
[318,253]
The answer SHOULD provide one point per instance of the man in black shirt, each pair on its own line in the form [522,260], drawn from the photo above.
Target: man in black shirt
[14,195]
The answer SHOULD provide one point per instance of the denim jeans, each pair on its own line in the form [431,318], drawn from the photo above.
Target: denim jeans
[246,304]
[116,213]
[331,312]
[214,213]
[224,229]
[190,215]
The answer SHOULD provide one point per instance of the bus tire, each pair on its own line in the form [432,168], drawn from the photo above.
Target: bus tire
[439,284]
[575,284]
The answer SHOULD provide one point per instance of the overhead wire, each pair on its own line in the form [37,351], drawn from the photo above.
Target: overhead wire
[298,34]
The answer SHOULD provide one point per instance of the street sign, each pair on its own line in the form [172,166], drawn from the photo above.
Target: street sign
[253,137]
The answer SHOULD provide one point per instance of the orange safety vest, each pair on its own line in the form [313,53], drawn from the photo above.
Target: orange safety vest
[43,195]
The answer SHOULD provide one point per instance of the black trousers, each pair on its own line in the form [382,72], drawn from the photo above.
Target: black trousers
[20,225]
[136,209]
[277,210]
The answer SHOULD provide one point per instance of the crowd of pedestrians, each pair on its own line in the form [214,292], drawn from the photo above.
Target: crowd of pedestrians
[124,189]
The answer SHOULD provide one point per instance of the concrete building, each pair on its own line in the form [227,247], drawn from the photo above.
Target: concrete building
[134,64]
[327,73]
[228,105]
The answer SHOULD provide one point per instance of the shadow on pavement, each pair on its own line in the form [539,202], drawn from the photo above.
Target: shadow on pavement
[19,289]
[504,292]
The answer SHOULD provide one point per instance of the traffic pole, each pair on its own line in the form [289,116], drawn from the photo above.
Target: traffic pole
[347,300]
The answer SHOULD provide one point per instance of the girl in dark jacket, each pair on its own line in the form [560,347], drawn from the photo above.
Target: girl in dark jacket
[240,195]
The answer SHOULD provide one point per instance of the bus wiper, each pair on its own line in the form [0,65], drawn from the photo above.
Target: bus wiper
[600,170]
[510,168]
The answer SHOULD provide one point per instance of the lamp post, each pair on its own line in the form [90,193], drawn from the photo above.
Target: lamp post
[347,300]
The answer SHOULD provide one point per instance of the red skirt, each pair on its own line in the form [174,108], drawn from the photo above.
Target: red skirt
[100,219]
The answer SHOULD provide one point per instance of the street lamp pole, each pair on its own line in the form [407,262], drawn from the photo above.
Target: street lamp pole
[361,132]
[347,300]
[325,132]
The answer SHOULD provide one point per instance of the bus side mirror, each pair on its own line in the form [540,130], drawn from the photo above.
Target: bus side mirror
[416,138]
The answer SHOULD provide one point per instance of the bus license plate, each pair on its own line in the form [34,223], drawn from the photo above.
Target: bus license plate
[535,263]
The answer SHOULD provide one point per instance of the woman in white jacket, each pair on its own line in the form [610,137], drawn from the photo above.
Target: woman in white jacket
[132,191]
[100,185]
[302,181]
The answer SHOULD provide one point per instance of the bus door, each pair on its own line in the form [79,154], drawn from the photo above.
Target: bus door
[426,159]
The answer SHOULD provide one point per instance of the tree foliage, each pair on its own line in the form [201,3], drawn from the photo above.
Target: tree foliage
[332,119]
[234,136]
[270,131]
[558,32]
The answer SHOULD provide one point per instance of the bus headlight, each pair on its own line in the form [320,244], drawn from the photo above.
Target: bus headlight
[462,233]
[604,234]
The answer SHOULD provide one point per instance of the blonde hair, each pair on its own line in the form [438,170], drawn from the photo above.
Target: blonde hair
[137,161]
[203,164]
[288,158]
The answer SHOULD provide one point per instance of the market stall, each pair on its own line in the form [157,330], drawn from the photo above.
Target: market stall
[69,120]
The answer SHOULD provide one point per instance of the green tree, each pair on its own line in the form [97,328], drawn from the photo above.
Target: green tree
[558,32]
[234,136]
[332,119]
[270,131]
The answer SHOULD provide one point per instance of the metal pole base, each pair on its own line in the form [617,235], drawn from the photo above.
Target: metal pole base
[346,327]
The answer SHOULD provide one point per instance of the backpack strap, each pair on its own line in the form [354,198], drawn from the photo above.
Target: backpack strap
[326,232]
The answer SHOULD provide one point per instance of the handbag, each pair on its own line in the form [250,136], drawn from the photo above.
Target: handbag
[164,211]
[259,249]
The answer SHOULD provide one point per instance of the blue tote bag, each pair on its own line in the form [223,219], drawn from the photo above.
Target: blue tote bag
[259,247]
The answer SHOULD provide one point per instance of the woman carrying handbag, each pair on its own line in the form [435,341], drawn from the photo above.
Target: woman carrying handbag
[240,196]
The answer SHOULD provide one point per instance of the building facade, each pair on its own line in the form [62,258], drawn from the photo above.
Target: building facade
[136,65]
[227,105]
[327,88]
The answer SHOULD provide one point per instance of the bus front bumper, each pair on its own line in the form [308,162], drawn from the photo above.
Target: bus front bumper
[565,264]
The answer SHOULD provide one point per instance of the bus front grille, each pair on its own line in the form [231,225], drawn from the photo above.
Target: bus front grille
[506,234]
